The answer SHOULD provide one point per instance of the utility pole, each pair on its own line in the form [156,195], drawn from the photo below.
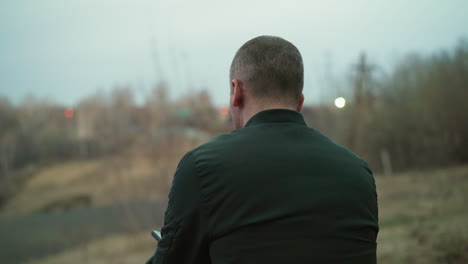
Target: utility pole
[363,71]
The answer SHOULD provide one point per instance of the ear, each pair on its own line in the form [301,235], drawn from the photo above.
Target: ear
[299,104]
[237,90]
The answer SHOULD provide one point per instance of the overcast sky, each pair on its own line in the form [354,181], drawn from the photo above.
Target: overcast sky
[66,50]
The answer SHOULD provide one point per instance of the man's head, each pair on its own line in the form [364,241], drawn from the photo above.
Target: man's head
[267,72]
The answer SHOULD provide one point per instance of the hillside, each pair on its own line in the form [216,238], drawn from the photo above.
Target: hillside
[423,216]
[139,173]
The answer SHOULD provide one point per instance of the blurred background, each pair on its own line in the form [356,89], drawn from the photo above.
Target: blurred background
[99,100]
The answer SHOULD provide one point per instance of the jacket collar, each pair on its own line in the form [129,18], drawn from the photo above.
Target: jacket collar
[276,116]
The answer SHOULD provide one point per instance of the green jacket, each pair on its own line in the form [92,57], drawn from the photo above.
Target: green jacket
[275,191]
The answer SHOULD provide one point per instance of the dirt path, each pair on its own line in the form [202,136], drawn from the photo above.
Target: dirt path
[40,235]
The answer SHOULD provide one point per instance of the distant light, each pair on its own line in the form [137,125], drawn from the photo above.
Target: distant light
[69,113]
[224,110]
[340,102]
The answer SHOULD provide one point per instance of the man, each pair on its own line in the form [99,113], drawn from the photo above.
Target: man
[273,190]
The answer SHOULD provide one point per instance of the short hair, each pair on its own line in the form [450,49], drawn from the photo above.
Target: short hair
[272,67]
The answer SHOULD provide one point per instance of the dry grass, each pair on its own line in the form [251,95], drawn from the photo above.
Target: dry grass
[423,215]
[136,248]
[139,173]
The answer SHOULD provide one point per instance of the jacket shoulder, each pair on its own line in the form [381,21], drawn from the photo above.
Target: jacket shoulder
[219,142]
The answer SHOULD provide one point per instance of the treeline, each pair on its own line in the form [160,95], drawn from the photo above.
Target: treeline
[414,117]
[38,132]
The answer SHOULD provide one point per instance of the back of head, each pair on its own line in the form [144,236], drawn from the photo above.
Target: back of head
[271,67]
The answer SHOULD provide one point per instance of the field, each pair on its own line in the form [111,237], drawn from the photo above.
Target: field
[423,214]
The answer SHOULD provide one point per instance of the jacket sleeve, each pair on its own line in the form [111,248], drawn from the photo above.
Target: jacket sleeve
[184,235]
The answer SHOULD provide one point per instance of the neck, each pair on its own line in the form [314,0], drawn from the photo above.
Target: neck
[251,110]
